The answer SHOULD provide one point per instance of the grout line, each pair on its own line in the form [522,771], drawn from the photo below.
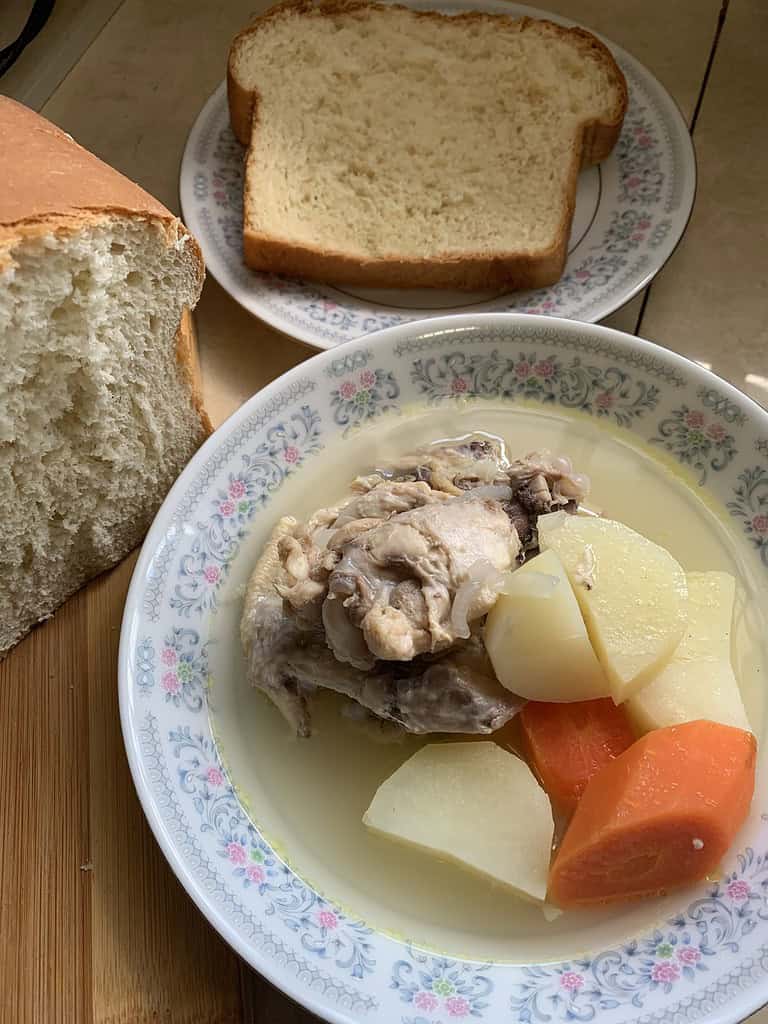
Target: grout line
[708,70]
[99,32]
[39,82]
[694,119]
[641,314]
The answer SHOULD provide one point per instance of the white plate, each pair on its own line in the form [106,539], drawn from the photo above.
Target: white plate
[699,954]
[631,212]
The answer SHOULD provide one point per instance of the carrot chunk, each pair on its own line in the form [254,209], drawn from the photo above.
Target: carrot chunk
[566,744]
[661,814]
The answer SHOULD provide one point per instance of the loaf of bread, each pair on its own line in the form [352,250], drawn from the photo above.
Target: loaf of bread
[395,148]
[99,396]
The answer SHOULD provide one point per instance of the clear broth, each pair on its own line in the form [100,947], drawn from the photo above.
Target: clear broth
[308,796]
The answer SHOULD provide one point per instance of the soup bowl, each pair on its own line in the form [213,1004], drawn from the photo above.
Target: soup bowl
[239,807]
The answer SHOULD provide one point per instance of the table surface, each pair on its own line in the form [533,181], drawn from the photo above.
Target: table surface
[93,925]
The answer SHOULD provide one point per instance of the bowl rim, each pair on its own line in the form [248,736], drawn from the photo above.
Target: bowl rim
[748,1000]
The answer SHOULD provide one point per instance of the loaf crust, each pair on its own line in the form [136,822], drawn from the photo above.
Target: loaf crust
[86,191]
[470,271]
[51,186]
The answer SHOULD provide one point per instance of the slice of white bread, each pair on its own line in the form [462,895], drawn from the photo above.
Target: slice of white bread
[99,398]
[396,148]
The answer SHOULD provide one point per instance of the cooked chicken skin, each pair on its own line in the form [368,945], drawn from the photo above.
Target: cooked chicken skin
[381,598]
[432,549]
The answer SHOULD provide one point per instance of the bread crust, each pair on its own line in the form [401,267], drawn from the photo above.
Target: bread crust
[468,273]
[50,184]
[189,362]
[513,270]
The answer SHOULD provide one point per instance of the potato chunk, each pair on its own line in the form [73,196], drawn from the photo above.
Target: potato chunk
[474,804]
[632,593]
[698,682]
[536,638]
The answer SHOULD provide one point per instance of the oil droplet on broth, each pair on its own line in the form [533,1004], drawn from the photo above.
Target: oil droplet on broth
[310,795]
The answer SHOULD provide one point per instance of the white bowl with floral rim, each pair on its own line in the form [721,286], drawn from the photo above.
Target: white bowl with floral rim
[707,958]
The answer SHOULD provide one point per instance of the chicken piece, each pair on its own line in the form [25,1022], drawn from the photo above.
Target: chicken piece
[377,598]
[288,660]
[436,549]
[385,499]
[540,483]
[451,468]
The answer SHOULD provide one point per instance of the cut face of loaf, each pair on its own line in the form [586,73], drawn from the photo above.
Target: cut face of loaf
[395,148]
[99,407]
[95,417]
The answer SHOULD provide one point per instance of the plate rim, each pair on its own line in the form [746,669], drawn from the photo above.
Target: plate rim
[747,1001]
[218,268]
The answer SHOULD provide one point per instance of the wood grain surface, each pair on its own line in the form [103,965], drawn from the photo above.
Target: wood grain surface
[93,925]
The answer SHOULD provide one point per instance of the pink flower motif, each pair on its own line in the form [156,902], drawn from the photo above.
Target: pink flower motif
[255,874]
[759,525]
[347,390]
[633,182]
[457,1006]
[291,453]
[211,573]
[169,656]
[665,972]
[582,275]
[549,304]
[572,981]
[688,955]
[214,777]
[327,919]
[227,508]
[694,419]
[170,682]
[523,369]
[644,224]
[236,489]
[644,141]
[638,236]
[716,431]
[367,378]
[544,369]
[425,1001]
[236,853]
[739,891]
[459,385]
[605,400]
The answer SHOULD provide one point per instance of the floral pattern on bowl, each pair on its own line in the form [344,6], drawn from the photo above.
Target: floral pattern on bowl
[712,953]
[629,217]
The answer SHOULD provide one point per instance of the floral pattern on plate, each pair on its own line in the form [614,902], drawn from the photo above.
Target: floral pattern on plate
[697,440]
[687,947]
[360,397]
[440,986]
[750,505]
[602,391]
[204,567]
[322,928]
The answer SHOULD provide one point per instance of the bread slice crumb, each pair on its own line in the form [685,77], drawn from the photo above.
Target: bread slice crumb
[395,148]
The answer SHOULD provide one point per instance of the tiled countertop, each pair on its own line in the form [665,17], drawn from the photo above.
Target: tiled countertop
[102,932]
